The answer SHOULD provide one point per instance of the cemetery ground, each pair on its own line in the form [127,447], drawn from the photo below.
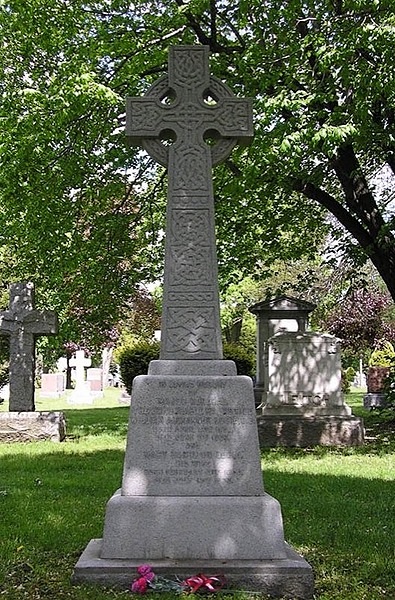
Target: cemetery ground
[338,505]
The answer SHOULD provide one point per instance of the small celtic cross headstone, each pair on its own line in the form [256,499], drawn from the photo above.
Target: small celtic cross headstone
[187,106]
[23,324]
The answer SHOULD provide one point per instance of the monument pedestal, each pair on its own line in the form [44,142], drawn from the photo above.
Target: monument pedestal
[289,577]
[192,497]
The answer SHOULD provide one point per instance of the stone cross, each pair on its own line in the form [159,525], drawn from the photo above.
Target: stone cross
[80,362]
[23,324]
[177,121]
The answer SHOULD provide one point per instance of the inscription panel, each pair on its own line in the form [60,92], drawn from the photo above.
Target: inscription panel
[192,438]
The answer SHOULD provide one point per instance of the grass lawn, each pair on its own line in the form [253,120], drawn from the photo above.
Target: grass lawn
[338,505]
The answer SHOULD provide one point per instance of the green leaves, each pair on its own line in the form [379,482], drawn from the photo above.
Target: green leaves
[83,215]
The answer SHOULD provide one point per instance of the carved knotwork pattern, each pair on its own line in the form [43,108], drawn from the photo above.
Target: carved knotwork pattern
[190,227]
[191,307]
[190,266]
[189,70]
[147,116]
[190,330]
[191,297]
[192,170]
[233,115]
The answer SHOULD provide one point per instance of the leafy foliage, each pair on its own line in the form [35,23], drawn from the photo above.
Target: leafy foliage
[382,356]
[359,321]
[134,361]
[74,214]
[245,360]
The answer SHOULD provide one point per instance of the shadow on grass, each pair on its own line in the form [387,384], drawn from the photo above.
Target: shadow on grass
[52,504]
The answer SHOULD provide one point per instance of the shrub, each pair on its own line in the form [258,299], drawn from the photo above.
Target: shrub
[134,360]
[245,361]
[382,357]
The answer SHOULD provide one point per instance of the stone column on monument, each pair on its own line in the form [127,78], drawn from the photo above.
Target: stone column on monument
[192,498]
[185,107]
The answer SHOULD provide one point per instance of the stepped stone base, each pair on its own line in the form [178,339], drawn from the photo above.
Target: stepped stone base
[289,577]
[32,426]
[291,430]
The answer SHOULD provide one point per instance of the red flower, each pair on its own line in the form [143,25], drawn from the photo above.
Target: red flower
[140,585]
[211,584]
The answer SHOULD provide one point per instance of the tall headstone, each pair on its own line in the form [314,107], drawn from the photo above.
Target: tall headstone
[23,324]
[192,498]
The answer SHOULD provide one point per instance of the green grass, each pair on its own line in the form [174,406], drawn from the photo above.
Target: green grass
[338,506]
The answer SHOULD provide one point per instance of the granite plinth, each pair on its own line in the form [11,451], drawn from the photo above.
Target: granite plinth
[192,492]
[288,577]
[192,436]
[32,426]
[299,431]
[198,527]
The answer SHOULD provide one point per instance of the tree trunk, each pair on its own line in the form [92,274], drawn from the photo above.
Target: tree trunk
[68,373]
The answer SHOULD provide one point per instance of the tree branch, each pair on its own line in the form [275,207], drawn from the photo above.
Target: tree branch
[356,189]
[330,203]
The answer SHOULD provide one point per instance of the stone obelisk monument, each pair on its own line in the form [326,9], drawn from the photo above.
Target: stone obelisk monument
[192,498]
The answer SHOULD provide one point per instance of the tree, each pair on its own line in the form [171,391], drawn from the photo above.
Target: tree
[73,212]
[69,214]
[361,321]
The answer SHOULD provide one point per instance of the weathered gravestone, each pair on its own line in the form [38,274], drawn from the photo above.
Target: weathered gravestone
[192,497]
[23,324]
[283,313]
[299,380]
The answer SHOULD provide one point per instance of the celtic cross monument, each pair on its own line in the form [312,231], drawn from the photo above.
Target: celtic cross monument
[23,323]
[192,498]
[185,107]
